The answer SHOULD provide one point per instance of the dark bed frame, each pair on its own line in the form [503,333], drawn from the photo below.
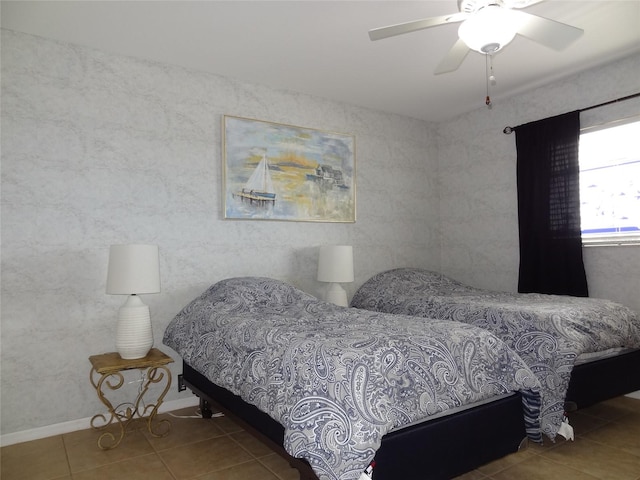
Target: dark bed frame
[603,379]
[445,447]
[435,450]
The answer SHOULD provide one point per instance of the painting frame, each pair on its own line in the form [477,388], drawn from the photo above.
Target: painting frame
[277,171]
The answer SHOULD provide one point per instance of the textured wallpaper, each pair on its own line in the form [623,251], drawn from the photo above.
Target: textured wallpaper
[477,175]
[100,149]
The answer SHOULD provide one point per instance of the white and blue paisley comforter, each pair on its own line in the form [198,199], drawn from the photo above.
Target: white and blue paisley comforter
[338,378]
[547,331]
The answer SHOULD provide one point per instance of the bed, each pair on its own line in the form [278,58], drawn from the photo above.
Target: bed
[583,350]
[334,388]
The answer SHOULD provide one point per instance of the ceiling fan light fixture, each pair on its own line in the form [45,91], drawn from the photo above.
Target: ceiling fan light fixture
[488,30]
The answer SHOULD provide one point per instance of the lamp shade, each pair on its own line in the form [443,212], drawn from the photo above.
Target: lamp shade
[335,263]
[133,269]
[488,30]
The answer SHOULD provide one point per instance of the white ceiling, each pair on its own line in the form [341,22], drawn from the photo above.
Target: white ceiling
[322,47]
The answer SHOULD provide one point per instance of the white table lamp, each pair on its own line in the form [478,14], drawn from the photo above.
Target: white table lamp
[335,265]
[133,270]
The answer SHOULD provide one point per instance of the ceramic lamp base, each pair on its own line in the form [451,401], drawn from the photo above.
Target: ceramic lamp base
[337,295]
[134,337]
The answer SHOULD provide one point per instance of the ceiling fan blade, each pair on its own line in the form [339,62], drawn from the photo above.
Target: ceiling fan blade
[415,25]
[519,3]
[453,59]
[547,32]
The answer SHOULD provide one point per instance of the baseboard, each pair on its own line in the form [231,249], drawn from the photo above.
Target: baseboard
[80,424]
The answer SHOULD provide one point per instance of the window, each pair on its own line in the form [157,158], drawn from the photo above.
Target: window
[610,184]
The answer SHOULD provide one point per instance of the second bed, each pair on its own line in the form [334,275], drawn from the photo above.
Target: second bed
[551,333]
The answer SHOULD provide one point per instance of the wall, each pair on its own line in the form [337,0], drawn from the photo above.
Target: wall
[478,185]
[100,149]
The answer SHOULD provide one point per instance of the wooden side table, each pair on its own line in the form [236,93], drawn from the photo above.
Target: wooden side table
[107,370]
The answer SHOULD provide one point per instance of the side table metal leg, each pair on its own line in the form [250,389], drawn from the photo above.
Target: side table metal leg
[155,375]
[111,439]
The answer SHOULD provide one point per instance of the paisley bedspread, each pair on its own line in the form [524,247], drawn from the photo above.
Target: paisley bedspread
[547,331]
[339,378]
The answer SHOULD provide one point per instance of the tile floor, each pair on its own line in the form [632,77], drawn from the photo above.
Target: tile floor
[607,447]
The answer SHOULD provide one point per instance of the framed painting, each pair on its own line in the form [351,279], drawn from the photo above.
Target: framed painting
[273,171]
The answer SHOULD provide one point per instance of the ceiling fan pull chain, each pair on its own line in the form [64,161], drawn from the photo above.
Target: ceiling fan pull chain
[486,69]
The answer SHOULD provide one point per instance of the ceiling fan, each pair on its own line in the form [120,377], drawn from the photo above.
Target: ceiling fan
[488,26]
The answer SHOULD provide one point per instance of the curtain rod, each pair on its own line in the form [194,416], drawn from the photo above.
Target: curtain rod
[508,130]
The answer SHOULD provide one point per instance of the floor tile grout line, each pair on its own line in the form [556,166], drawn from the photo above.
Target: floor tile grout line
[156,452]
[122,460]
[252,458]
[604,444]
[186,444]
[600,445]
[113,462]
[275,474]
[173,475]
[256,457]
[571,467]
[228,467]
[66,454]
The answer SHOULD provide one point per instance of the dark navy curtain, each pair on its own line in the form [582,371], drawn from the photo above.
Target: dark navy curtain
[549,207]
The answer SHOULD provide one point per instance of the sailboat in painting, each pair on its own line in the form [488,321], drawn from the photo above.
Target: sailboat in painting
[259,188]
